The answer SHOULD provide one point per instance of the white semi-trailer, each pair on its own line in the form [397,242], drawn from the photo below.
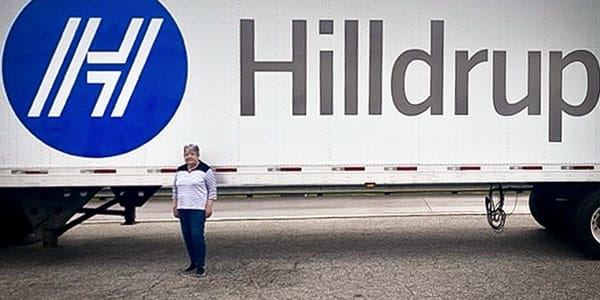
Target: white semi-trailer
[105,93]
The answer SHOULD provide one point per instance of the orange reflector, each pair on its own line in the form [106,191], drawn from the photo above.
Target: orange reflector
[370,185]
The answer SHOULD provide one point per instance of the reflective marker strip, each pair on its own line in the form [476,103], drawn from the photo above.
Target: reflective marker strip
[174,170]
[99,171]
[465,168]
[29,172]
[225,170]
[289,169]
[527,168]
[577,168]
[350,168]
[401,168]
[285,169]
[163,170]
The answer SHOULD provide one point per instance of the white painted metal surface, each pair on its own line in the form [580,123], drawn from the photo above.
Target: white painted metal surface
[427,148]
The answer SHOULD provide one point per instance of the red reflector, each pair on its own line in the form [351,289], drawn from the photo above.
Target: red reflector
[225,170]
[531,168]
[353,168]
[406,168]
[168,170]
[577,167]
[290,169]
[35,172]
[469,168]
[104,171]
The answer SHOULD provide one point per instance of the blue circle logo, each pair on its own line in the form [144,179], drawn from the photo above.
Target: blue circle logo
[94,78]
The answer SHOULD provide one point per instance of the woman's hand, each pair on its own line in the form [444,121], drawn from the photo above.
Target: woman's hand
[175,211]
[208,210]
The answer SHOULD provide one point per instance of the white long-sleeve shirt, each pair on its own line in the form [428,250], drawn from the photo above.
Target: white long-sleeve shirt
[192,189]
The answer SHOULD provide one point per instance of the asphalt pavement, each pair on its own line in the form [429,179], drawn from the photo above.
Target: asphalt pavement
[383,247]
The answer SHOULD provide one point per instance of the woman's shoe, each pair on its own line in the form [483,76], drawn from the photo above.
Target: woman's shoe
[191,268]
[200,272]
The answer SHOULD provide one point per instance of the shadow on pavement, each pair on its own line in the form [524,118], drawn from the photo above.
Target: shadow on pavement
[397,238]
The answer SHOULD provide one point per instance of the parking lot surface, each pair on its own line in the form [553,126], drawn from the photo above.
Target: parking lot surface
[328,258]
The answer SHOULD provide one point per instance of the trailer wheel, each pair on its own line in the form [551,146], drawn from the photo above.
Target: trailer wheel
[542,210]
[587,225]
[14,224]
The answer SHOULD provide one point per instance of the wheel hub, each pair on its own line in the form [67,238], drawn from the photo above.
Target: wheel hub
[595,225]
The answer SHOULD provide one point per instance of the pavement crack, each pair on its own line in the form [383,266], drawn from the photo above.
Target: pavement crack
[255,284]
[408,289]
[156,282]
[427,203]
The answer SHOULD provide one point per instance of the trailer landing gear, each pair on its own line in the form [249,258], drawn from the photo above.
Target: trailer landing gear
[49,208]
[46,211]
[128,197]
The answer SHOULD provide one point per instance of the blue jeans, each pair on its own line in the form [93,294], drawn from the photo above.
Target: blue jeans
[192,228]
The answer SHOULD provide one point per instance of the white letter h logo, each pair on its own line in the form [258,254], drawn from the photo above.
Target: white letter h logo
[109,79]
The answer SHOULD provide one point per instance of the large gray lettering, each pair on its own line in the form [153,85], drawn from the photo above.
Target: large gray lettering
[326,82]
[435,60]
[351,67]
[461,78]
[248,67]
[375,66]
[326,71]
[534,86]
[557,103]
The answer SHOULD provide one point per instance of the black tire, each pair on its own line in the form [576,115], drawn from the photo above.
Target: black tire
[543,210]
[14,224]
[536,213]
[587,225]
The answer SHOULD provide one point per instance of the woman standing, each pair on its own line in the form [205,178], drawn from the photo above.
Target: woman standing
[194,190]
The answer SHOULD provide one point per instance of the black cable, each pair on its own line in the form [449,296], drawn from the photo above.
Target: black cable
[496,215]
